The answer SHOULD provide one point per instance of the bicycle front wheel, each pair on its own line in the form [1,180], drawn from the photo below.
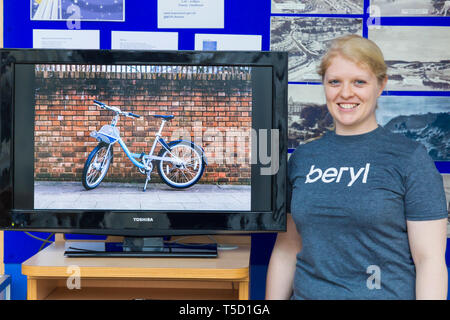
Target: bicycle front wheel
[186,166]
[96,166]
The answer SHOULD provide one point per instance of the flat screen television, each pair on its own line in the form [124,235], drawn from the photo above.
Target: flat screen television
[143,144]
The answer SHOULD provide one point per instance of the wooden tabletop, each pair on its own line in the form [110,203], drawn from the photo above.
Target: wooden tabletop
[51,262]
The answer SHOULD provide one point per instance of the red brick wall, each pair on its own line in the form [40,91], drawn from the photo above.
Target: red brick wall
[212,104]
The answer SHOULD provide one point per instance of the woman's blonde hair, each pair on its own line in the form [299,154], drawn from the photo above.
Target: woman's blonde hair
[359,50]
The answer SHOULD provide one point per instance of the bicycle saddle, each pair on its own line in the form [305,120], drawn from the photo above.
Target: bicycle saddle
[167,118]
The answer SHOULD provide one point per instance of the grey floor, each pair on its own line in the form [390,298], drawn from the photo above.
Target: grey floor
[120,196]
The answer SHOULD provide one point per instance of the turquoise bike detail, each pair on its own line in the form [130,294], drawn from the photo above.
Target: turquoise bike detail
[180,163]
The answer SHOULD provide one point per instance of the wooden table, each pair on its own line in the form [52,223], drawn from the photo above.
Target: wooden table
[51,276]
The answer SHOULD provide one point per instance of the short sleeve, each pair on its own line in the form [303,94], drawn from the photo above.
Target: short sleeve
[424,189]
[290,170]
[288,194]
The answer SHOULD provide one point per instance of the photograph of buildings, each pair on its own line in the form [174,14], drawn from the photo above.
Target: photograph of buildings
[417,56]
[318,6]
[306,39]
[308,117]
[412,7]
[425,119]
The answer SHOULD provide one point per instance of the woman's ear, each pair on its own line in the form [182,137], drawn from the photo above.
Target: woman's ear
[383,85]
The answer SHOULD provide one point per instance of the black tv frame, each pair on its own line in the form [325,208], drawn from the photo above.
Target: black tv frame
[120,222]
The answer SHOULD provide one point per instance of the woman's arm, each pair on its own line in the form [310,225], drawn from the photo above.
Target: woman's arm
[427,240]
[280,274]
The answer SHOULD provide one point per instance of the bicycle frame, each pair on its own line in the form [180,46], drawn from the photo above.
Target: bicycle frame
[109,134]
[146,158]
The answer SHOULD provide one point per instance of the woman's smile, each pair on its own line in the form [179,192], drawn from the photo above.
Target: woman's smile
[348,106]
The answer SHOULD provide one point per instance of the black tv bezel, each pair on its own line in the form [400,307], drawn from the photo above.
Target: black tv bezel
[115,222]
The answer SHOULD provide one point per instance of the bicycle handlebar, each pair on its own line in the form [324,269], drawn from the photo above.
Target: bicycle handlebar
[127,114]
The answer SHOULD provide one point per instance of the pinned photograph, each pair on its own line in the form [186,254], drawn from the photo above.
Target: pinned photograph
[308,116]
[318,6]
[83,10]
[413,7]
[425,119]
[417,56]
[306,40]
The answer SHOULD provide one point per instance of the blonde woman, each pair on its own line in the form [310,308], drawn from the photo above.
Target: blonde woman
[368,213]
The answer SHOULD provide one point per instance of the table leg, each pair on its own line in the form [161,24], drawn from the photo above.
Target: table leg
[39,289]
[243,290]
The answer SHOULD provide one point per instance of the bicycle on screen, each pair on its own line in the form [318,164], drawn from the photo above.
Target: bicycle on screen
[179,163]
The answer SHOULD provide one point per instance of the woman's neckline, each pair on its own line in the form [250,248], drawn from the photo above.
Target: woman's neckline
[355,137]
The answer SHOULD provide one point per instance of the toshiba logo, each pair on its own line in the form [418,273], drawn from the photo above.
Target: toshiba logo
[143,219]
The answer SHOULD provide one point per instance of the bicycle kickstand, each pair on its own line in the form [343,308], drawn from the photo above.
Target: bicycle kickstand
[147,180]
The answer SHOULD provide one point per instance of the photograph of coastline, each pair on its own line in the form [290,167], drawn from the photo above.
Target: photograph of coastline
[425,119]
[318,6]
[308,116]
[417,56]
[412,7]
[306,40]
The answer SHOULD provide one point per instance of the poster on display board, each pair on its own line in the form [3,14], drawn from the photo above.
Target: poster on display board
[214,42]
[66,39]
[191,14]
[140,40]
[84,10]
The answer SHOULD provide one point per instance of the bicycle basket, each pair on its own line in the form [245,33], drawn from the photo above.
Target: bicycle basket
[107,134]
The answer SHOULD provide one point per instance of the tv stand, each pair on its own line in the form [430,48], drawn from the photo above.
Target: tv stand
[135,247]
[226,277]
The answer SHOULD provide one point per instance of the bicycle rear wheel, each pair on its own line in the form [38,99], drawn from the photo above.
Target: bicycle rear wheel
[183,173]
[96,166]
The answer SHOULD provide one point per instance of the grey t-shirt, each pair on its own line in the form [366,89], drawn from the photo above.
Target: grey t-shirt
[350,199]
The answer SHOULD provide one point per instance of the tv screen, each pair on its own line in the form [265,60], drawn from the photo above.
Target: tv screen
[142,143]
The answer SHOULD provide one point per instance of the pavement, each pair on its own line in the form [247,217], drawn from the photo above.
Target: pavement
[129,196]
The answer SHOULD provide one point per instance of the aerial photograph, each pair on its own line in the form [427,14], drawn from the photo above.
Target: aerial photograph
[306,40]
[84,10]
[318,6]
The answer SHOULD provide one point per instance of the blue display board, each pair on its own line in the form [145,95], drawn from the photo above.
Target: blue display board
[250,17]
